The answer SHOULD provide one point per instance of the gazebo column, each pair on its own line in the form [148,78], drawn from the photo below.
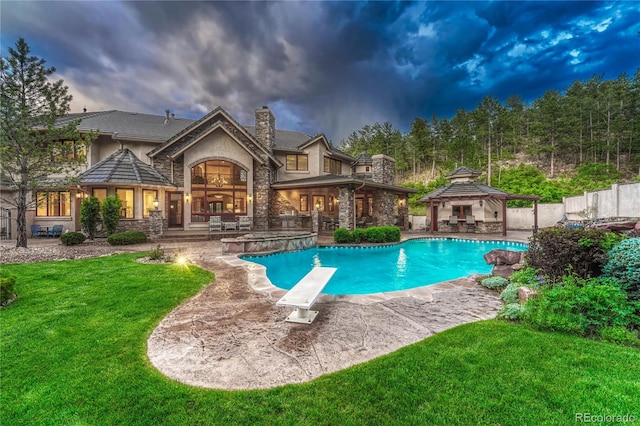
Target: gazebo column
[535,216]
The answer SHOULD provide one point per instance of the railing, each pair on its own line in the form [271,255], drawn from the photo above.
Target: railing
[5,224]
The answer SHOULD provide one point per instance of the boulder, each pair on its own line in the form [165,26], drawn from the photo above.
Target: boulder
[501,257]
[504,271]
[524,293]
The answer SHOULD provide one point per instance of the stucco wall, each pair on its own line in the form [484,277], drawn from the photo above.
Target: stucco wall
[522,218]
[621,200]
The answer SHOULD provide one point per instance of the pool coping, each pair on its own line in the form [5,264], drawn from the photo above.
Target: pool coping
[258,281]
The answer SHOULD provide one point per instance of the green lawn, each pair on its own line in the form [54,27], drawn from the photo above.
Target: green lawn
[73,351]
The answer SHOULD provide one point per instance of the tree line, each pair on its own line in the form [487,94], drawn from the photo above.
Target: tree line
[592,121]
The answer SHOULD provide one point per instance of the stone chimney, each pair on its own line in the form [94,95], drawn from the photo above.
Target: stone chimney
[383,169]
[265,127]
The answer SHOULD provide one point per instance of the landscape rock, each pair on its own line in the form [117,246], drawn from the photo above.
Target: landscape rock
[524,293]
[503,257]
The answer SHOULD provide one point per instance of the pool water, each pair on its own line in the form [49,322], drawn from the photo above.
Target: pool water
[365,270]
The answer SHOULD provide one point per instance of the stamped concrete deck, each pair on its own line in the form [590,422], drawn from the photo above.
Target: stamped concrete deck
[233,336]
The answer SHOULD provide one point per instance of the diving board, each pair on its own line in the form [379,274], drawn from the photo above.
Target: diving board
[304,294]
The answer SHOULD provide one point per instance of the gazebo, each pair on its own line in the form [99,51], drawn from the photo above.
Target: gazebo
[465,205]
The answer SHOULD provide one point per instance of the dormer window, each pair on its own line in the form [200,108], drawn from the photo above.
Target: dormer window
[298,162]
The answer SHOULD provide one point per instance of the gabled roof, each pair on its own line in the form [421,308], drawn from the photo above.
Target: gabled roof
[129,125]
[123,167]
[285,139]
[338,180]
[363,158]
[204,126]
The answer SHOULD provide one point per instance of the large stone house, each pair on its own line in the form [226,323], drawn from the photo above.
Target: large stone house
[182,172]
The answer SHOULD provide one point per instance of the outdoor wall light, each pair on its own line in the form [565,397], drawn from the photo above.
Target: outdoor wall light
[249,198]
[481,203]
[443,204]
[317,205]
[156,203]
[495,214]
[187,197]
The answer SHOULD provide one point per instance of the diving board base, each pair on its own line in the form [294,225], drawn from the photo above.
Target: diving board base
[302,316]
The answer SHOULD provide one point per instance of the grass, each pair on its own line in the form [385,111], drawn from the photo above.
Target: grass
[73,351]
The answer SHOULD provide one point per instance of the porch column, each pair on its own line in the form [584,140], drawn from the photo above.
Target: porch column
[347,208]
[315,221]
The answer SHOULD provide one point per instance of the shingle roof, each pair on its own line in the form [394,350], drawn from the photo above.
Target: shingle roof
[463,171]
[285,139]
[363,158]
[129,125]
[123,167]
[338,180]
[463,189]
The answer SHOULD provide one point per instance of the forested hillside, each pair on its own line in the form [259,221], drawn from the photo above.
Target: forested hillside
[562,143]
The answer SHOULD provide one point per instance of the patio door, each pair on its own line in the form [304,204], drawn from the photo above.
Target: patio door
[175,213]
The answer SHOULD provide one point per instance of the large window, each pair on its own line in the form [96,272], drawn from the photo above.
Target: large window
[218,187]
[54,203]
[148,196]
[297,162]
[126,196]
[332,166]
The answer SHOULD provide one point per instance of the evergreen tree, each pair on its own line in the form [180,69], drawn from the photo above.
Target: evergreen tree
[34,145]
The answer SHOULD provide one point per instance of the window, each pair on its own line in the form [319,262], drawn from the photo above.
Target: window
[147,201]
[332,166]
[126,196]
[217,187]
[100,193]
[297,162]
[55,203]
[461,211]
[69,150]
[318,203]
[304,203]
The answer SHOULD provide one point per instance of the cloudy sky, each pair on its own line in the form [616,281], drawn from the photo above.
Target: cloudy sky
[327,67]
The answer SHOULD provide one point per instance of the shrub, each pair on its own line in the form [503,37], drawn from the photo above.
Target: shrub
[129,237]
[110,209]
[624,264]
[375,234]
[7,284]
[391,233]
[342,236]
[156,253]
[510,293]
[558,251]
[359,236]
[90,216]
[512,311]
[620,335]
[529,277]
[582,307]
[494,282]
[72,238]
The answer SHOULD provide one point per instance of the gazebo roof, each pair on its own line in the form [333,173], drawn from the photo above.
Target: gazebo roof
[464,190]
[463,172]
[123,167]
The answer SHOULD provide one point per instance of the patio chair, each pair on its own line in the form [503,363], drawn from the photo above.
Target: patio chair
[471,224]
[55,232]
[215,223]
[244,223]
[37,231]
[361,222]
[453,223]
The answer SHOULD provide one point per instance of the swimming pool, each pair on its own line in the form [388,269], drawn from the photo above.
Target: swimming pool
[365,270]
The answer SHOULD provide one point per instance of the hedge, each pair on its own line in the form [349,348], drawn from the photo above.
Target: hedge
[129,237]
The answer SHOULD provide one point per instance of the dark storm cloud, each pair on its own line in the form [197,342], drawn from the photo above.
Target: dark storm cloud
[322,66]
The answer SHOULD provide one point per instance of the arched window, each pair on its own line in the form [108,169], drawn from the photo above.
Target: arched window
[218,188]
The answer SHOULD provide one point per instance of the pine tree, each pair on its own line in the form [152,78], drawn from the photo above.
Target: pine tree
[35,144]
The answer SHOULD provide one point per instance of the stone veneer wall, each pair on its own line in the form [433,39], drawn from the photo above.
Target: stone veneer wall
[162,163]
[383,168]
[346,209]
[384,206]
[265,134]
